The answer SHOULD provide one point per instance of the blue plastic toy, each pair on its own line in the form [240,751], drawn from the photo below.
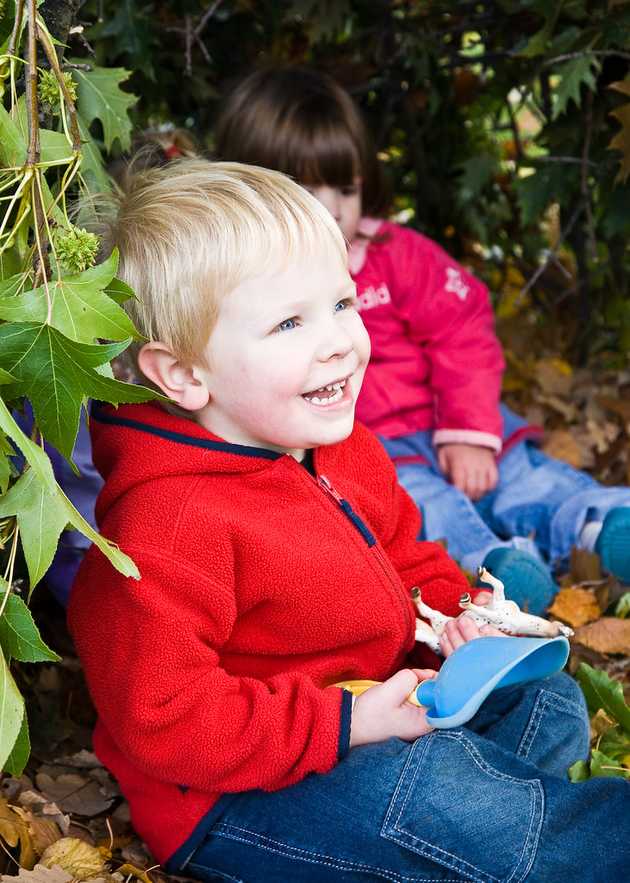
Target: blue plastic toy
[478,667]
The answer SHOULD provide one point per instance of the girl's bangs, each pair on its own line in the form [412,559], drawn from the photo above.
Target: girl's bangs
[326,156]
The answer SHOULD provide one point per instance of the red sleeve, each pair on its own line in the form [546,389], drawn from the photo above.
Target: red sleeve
[450,316]
[151,651]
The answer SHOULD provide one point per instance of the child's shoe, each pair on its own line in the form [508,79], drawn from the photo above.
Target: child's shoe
[613,543]
[526,579]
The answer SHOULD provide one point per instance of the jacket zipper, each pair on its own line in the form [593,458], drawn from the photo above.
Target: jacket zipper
[325,484]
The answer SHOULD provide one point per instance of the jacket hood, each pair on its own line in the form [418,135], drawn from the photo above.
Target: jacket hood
[134,444]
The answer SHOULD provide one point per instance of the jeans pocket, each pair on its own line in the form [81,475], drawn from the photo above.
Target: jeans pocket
[209,875]
[452,806]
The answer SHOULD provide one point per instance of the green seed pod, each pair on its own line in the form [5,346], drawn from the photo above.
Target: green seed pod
[76,249]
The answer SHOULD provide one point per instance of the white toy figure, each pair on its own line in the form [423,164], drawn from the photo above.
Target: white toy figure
[502,614]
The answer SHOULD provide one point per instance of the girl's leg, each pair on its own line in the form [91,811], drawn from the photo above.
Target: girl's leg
[546,497]
[447,513]
[454,805]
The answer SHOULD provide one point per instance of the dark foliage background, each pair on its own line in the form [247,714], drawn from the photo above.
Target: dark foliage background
[505,125]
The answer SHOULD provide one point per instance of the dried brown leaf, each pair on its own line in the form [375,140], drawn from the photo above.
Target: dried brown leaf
[14,831]
[561,444]
[575,606]
[44,832]
[607,635]
[74,793]
[554,376]
[40,874]
[585,566]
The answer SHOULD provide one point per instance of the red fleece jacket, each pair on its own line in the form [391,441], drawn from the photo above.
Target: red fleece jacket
[260,586]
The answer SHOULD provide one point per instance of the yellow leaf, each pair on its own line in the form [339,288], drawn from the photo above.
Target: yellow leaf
[575,606]
[74,856]
[14,830]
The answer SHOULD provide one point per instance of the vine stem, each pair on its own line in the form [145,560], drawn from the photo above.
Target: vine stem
[32,109]
[17,26]
[9,570]
[47,45]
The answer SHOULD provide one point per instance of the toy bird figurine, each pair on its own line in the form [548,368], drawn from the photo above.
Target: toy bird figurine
[502,614]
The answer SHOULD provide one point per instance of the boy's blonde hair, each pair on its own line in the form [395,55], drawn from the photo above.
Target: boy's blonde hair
[192,231]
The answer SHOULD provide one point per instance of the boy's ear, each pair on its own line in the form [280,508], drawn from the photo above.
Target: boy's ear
[181,383]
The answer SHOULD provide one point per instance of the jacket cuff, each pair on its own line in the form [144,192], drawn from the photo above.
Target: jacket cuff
[347,701]
[467,437]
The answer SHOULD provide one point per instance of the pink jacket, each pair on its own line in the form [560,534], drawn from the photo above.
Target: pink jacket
[436,362]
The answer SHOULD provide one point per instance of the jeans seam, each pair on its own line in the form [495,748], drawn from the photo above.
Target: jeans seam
[458,864]
[225,829]
[544,698]
[193,865]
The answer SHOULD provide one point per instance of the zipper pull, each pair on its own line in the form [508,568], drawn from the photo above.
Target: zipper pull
[324,483]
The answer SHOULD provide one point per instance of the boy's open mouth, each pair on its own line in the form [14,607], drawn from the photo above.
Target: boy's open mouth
[326,395]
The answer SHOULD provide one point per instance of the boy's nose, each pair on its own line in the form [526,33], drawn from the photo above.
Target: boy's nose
[335,343]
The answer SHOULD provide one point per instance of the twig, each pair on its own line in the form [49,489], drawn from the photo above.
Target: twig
[602,53]
[586,196]
[192,34]
[552,255]
[51,55]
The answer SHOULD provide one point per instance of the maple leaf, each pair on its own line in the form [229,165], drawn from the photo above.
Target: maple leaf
[99,97]
[621,140]
[81,307]
[573,75]
[58,375]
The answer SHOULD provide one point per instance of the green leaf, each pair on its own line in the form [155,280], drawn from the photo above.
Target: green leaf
[57,375]
[622,610]
[11,712]
[604,766]
[92,168]
[16,761]
[53,146]
[119,291]
[573,75]
[580,771]
[6,452]
[100,97]
[19,636]
[81,309]
[601,691]
[476,173]
[41,517]
[41,466]
[12,145]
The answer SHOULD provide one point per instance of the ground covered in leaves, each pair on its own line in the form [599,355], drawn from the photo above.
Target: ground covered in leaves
[65,793]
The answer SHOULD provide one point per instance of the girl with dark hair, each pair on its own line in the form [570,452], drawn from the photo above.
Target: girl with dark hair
[431,391]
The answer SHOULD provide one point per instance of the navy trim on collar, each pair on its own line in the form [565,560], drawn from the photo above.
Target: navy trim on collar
[96,413]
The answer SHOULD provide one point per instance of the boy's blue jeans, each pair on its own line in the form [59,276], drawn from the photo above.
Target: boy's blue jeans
[539,505]
[489,802]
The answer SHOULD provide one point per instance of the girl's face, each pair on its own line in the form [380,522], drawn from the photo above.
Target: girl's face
[343,203]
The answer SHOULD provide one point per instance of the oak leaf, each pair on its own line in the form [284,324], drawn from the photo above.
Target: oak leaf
[75,856]
[561,445]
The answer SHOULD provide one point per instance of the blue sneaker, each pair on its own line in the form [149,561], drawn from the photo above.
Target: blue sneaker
[613,543]
[526,579]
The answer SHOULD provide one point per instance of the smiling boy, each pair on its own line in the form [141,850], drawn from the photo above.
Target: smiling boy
[277,553]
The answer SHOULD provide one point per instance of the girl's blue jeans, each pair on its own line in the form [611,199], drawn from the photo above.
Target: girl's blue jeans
[539,504]
[489,802]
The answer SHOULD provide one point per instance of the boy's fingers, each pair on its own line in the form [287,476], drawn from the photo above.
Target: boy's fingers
[400,685]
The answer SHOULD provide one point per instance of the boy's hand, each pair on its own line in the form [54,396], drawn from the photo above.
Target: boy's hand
[382,712]
[470,468]
[463,629]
